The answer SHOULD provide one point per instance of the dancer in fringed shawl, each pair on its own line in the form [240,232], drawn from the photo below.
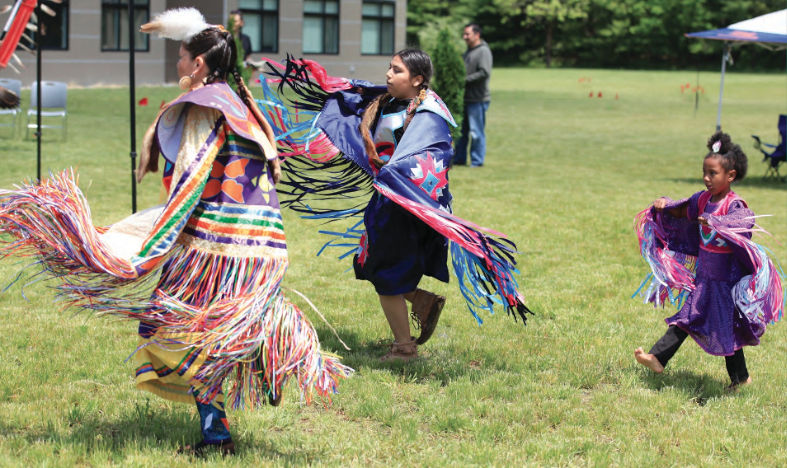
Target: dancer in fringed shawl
[703,260]
[214,255]
[344,139]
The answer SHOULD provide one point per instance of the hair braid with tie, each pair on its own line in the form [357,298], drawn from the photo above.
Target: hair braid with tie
[418,63]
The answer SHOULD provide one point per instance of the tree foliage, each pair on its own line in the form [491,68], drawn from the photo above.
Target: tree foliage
[449,75]
[598,33]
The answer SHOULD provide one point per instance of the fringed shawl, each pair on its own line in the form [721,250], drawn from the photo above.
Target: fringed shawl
[316,117]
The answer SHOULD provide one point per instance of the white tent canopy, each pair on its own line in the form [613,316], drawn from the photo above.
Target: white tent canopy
[769,31]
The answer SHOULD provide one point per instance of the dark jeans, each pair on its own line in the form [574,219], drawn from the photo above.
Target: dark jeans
[473,125]
[668,345]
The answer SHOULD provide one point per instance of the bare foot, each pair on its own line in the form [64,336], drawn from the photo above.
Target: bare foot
[648,360]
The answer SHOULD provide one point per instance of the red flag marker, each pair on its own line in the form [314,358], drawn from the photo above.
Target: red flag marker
[143,101]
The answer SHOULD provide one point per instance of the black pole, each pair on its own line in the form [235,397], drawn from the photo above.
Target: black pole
[38,92]
[132,104]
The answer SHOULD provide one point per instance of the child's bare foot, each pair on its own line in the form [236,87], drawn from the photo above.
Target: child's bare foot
[734,387]
[648,360]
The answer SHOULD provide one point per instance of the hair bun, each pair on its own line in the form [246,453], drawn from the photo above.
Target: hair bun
[720,142]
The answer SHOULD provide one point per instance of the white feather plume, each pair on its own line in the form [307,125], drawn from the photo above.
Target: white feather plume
[179,24]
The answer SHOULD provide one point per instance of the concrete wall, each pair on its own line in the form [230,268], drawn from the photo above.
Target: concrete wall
[84,63]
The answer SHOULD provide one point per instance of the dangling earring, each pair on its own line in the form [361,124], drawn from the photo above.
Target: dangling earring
[185,82]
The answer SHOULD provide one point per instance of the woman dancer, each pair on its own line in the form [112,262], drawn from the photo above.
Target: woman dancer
[215,256]
[344,136]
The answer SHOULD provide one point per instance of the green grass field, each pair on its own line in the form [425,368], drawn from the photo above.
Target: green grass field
[565,175]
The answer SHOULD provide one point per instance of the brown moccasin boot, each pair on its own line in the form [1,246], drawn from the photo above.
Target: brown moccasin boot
[426,310]
[401,351]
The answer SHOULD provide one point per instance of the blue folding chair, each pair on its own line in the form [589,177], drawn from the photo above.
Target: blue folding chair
[778,152]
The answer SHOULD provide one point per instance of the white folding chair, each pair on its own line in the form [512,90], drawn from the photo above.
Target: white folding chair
[53,104]
[15,86]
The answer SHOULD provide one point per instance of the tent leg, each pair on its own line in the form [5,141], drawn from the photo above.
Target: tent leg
[724,57]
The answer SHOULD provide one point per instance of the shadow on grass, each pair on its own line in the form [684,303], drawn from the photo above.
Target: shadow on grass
[701,387]
[138,426]
[431,365]
[142,429]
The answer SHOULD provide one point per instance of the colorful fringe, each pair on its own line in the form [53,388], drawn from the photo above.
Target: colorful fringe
[759,296]
[231,307]
[317,170]
[672,277]
[483,264]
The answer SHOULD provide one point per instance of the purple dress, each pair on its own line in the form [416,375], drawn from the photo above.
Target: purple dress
[709,314]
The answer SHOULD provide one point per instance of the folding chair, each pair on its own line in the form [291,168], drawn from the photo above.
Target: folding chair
[778,152]
[15,86]
[53,104]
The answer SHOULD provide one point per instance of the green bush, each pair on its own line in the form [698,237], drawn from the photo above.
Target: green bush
[449,76]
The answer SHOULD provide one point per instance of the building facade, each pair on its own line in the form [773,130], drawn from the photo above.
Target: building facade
[87,42]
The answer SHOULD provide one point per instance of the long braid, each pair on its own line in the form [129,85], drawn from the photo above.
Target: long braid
[412,107]
[273,160]
[248,99]
[370,116]
[367,121]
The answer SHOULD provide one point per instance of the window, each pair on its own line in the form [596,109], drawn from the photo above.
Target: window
[114,25]
[54,29]
[321,27]
[377,29]
[261,24]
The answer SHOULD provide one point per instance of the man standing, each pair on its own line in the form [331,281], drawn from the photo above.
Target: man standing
[237,30]
[478,68]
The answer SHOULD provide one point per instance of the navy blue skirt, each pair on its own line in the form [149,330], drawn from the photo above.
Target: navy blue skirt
[400,249]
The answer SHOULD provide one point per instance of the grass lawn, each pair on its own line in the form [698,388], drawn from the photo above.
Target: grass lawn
[564,177]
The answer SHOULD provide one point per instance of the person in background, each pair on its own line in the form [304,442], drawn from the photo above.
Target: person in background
[478,66]
[236,17]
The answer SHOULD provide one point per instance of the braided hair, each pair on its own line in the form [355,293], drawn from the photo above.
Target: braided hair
[418,63]
[730,154]
[217,46]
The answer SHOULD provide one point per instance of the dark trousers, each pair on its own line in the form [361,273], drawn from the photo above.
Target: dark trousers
[668,345]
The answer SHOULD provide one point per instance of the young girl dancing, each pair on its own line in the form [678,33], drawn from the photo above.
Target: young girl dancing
[344,137]
[735,290]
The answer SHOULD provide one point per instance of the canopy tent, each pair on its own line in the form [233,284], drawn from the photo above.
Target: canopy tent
[769,31]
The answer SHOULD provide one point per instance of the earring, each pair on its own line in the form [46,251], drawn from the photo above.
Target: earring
[185,82]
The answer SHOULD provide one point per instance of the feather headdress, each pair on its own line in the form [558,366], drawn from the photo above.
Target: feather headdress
[179,24]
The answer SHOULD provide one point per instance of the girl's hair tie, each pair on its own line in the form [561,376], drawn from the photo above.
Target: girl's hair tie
[716,147]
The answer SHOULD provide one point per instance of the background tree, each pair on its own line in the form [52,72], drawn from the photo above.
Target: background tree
[427,17]
[597,33]
[549,14]
[449,75]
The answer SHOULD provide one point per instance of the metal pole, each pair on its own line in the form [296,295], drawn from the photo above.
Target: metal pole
[38,92]
[724,57]
[132,104]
